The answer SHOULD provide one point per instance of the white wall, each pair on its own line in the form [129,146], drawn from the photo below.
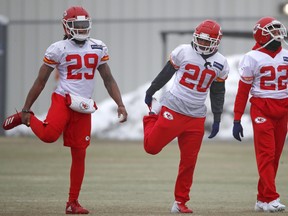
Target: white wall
[131,30]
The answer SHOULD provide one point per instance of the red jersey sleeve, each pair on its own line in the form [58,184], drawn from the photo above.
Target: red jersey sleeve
[241,99]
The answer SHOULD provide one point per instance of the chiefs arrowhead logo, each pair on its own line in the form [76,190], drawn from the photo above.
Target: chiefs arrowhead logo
[260,120]
[84,106]
[168,115]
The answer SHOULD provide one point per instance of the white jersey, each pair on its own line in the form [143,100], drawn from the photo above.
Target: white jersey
[76,65]
[192,79]
[267,75]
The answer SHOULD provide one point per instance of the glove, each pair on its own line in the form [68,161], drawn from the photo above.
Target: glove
[237,130]
[148,100]
[215,129]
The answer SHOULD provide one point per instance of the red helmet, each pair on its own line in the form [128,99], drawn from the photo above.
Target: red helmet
[76,23]
[208,31]
[268,29]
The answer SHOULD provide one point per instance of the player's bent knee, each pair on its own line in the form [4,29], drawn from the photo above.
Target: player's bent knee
[49,139]
[50,136]
[151,150]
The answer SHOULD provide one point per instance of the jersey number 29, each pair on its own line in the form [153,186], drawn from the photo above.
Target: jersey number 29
[89,62]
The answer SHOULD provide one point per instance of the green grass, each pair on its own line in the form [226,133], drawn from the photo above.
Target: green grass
[121,179]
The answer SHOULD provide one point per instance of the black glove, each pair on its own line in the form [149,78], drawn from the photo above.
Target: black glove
[215,129]
[148,100]
[237,130]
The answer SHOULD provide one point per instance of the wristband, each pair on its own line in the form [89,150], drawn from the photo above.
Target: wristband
[26,111]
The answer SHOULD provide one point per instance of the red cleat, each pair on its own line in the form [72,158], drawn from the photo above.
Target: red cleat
[74,207]
[179,207]
[12,121]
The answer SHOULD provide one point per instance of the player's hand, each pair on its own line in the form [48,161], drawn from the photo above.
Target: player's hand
[148,100]
[215,129]
[122,114]
[237,130]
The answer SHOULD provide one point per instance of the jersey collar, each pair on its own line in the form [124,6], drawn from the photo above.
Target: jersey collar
[268,52]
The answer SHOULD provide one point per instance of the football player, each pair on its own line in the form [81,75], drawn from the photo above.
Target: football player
[76,59]
[197,68]
[264,73]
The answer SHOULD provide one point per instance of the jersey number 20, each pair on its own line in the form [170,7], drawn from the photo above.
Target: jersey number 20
[197,75]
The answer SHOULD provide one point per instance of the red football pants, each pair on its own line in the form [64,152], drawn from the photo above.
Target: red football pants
[160,130]
[77,171]
[269,139]
[75,126]
[76,129]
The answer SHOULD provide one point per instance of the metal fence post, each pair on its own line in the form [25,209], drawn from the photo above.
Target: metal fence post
[3,69]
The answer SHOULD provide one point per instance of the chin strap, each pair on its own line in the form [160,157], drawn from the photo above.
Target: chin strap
[265,45]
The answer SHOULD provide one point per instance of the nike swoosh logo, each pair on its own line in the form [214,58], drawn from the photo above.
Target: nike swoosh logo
[275,206]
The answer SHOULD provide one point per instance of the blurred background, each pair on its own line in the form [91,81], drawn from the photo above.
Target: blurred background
[140,34]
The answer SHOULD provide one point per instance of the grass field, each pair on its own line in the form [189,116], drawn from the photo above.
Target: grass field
[121,179]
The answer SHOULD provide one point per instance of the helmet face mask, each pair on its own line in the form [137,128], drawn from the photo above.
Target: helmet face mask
[207,37]
[268,29]
[77,23]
